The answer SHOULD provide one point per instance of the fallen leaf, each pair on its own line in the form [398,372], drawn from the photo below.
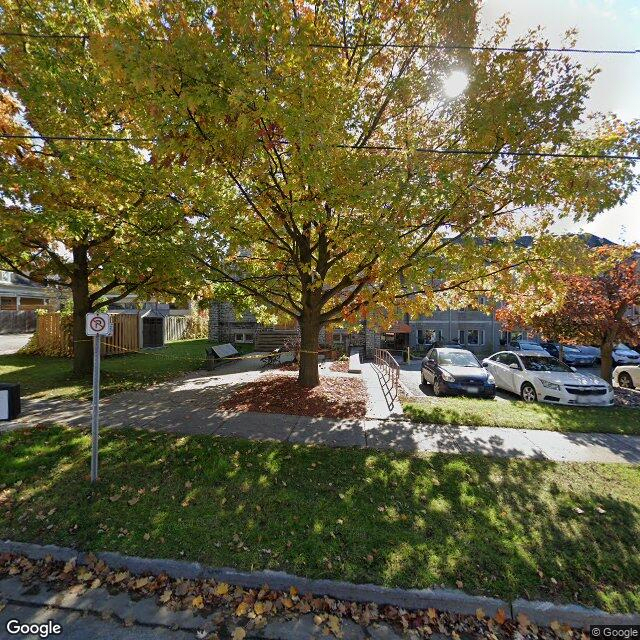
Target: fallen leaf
[480,613]
[146,536]
[238,633]
[119,577]
[287,603]
[115,498]
[500,616]
[141,582]
[2,606]
[221,589]
[198,602]
[166,596]
[133,501]
[242,609]
[96,583]
[459,584]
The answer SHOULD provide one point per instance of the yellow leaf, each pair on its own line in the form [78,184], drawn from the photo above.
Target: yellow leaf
[432,613]
[259,608]
[238,634]
[221,589]
[198,602]
[166,596]
[293,592]
[500,616]
[242,609]
[141,582]
[96,583]
[119,577]
[480,613]
[334,625]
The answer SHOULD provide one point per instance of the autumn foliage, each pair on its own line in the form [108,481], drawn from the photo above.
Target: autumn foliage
[594,310]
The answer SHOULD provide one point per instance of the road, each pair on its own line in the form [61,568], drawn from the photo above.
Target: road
[11,342]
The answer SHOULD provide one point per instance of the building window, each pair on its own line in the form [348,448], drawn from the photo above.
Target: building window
[432,335]
[461,336]
[8,304]
[29,304]
[420,336]
[243,338]
[475,337]
[5,276]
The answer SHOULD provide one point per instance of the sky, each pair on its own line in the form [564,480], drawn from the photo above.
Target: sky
[601,24]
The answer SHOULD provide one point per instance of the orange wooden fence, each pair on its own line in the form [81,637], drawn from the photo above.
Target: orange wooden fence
[53,335]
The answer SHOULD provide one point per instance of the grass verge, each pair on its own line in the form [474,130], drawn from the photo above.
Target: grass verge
[509,528]
[43,377]
[520,415]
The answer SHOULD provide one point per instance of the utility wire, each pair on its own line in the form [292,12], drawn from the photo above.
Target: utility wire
[371,45]
[467,152]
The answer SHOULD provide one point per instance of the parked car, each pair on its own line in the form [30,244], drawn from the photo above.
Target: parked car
[590,351]
[627,376]
[570,355]
[525,345]
[456,371]
[622,354]
[538,377]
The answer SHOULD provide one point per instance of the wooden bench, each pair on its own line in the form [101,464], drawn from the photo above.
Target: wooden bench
[354,363]
[219,354]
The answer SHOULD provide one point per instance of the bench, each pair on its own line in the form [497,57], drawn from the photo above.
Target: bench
[354,363]
[219,354]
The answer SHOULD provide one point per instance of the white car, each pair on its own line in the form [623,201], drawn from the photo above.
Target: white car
[625,355]
[537,377]
[627,376]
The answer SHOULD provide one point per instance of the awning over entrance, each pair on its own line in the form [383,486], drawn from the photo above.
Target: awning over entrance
[399,327]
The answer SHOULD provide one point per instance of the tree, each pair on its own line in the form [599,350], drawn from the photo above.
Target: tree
[590,309]
[93,217]
[311,131]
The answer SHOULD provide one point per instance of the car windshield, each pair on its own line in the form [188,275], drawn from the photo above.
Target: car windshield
[571,349]
[530,346]
[623,347]
[458,358]
[542,363]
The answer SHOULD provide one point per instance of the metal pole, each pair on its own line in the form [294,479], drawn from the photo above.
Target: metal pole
[95,408]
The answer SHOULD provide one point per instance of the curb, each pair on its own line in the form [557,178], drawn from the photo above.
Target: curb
[450,600]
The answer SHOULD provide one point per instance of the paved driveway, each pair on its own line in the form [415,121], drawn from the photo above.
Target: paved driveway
[12,342]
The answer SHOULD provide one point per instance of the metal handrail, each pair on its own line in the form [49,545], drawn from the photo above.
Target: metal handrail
[389,368]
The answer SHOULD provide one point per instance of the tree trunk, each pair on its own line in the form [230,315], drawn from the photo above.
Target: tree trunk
[308,375]
[82,345]
[606,359]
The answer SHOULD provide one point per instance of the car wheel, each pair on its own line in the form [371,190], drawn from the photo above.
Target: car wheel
[528,393]
[422,378]
[625,381]
[437,387]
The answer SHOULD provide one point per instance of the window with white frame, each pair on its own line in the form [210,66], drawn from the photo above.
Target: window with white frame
[475,337]
[243,338]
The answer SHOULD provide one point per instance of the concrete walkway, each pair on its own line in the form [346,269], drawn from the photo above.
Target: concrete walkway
[11,343]
[189,405]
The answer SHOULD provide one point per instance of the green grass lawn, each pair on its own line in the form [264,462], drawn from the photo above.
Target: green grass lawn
[52,377]
[520,415]
[536,529]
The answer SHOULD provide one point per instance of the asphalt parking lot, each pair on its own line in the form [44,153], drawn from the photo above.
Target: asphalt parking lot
[410,378]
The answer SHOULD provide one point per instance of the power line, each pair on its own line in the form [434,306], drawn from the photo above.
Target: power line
[467,152]
[371,45]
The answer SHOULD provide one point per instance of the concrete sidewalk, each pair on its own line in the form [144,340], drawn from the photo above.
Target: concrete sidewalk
[189,405]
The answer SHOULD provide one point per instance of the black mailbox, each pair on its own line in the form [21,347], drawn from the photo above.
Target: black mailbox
[9,401]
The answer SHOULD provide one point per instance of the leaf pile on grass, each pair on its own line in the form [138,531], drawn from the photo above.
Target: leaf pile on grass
[249,610]
[280,393]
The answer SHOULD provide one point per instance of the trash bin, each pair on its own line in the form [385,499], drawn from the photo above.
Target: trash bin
[9,401]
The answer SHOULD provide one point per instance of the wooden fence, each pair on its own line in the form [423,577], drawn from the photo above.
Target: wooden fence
[53,335]
[126,335]
[185,328]
[17,321]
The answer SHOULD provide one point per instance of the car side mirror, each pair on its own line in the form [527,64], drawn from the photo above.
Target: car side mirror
[485,365]
[515,366]
[431,361]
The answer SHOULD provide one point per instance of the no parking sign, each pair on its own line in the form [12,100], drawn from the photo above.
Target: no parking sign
[98,324]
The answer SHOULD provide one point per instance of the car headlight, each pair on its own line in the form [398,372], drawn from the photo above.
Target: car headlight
[549,385]
[448,377]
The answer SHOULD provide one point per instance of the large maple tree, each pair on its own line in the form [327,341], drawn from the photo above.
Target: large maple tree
[90,216]
[311,131]
[588,309]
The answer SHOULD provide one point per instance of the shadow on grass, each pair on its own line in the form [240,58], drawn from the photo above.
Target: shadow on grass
[511,528]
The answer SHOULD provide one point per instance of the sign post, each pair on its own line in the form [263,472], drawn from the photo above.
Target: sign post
[97,325]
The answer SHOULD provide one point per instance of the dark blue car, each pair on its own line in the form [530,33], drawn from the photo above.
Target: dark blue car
[456,372]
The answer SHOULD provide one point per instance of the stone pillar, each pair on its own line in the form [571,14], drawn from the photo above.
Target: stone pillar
[214,321]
